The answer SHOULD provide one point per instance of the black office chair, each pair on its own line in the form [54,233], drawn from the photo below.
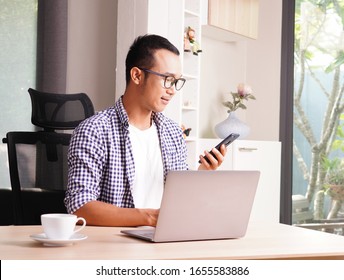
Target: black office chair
[6,205]
[38,173]
[55,111]
[38,160]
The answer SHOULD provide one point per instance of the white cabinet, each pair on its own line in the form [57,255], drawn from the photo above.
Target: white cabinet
[264,156]
[228,20]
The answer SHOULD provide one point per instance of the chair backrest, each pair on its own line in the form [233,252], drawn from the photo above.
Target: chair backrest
[38,173]
[57,111]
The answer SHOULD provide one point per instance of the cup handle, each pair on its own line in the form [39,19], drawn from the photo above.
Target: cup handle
[83,224]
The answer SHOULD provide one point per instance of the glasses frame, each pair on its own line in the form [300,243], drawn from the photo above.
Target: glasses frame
[173,83]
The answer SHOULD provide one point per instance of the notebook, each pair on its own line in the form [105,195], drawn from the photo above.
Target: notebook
[203,205]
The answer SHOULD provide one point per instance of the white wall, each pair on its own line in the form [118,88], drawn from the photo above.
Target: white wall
[263,72]
[92,45]
[223,66]
[136,11]
[255,62]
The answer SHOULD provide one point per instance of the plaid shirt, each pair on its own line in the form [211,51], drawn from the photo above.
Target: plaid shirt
[101,162]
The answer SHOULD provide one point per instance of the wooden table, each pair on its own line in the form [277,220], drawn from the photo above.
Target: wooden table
[274,241]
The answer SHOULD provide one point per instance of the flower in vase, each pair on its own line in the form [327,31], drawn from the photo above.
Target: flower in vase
[244,92]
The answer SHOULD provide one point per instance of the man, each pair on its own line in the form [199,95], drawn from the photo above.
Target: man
[119,158]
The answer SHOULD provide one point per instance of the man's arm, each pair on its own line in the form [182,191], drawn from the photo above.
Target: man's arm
[99,213]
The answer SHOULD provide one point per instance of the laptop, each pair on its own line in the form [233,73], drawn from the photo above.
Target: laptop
[202,205]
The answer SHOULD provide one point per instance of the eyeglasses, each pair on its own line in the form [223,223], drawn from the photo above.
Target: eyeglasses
[169,81]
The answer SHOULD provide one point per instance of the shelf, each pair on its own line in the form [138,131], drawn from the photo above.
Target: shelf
[193,7]
[189,108]
[223,35]
[191,72]
[189,13]
[189,76]
[190,139]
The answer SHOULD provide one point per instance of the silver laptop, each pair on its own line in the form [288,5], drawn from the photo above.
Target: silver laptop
[202,205]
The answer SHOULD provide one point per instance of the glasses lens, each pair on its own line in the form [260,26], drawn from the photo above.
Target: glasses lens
[169,81]
[179,84]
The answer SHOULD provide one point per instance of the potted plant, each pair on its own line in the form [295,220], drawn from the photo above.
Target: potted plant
[232,124]
[334,184]
[244,92]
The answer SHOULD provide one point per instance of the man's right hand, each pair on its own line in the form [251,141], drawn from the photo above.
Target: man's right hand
[99,213]
[152,216]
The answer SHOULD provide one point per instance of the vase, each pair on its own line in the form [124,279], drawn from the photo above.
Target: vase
[232,124]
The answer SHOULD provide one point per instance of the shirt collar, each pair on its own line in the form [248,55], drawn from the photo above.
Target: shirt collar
[122,113]
[157,117]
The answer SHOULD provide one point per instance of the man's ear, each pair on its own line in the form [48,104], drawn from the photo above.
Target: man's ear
[136,75]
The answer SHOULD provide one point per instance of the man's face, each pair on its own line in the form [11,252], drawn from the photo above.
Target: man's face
[155,96]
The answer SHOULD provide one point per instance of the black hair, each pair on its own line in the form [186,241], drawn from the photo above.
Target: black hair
[141,52]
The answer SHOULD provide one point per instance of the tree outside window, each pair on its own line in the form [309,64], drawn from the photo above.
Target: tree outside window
[318,167]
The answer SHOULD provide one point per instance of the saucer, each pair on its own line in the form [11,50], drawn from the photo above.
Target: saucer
[57,242]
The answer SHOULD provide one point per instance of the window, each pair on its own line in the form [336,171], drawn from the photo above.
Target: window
[18,29]
[313,103]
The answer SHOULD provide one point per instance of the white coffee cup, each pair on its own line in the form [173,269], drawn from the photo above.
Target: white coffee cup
[61,226]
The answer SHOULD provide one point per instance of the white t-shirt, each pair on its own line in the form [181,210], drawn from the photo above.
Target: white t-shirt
[149,178]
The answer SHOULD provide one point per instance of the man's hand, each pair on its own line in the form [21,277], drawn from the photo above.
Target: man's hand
[99,213]
[151,216]
[214,162]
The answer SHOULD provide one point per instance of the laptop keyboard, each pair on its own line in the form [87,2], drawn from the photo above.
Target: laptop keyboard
[146,233]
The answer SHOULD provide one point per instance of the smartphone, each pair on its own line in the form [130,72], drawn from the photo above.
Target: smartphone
[228,140]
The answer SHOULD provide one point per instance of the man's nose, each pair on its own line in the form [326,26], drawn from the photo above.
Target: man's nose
[171,90]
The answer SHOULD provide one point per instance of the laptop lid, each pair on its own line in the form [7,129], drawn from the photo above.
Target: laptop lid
[201,205]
